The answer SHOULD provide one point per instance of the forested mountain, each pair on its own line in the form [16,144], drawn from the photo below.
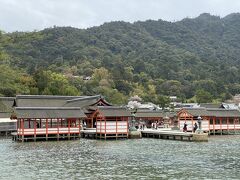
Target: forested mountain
[195,59]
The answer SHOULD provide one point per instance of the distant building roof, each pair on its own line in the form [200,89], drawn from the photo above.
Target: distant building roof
[49,112]
[138,105]
[210,105]
[114,111]
[42,100]
[215,112]
[229,106]
[46,106]
[154,113]
[187,105]
[224,112]
[5,114]
[55,101]
[87,101]
[149,113]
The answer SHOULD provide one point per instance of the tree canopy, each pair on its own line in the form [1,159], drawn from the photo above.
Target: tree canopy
[197,58]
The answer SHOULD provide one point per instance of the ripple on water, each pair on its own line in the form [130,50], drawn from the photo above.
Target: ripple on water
[126,159]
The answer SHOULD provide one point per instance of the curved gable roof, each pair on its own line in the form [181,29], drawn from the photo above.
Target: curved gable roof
[49,112]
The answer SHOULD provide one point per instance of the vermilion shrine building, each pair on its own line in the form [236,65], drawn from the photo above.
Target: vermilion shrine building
[214,120]
[62,117]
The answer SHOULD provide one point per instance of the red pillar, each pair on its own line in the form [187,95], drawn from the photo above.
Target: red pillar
[126,118]
[46,127]
[105,126]
[57,126]
[35,129]
[23,127]
[22,130]
[100,126]
[192,124]
[116,125]
[220,124]
[214,121]
[68,127]
[234,124]
[228,124]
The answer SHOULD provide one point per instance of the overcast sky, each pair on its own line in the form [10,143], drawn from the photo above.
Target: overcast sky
[28,15]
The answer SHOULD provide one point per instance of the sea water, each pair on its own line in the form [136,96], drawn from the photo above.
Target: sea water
[122,159]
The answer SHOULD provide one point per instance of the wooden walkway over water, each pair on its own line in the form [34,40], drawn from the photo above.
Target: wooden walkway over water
[167,134]
[149,133]
[92,133]
[88,133]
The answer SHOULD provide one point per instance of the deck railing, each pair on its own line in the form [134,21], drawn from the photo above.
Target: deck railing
[42,131]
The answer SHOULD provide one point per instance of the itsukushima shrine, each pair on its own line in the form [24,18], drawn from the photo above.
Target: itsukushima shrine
[40,117]
[214,120]
[48,123]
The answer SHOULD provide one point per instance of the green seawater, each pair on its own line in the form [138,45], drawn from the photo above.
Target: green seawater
[123,159]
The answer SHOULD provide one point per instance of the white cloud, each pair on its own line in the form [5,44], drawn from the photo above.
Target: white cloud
[28,15]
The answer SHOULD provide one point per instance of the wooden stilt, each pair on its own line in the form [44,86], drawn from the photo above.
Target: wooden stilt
[68,129]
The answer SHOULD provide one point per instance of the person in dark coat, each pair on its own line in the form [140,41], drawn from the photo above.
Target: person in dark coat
[195,127]
[185,127]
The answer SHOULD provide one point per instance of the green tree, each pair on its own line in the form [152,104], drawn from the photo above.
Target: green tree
[203,96]
[163,101]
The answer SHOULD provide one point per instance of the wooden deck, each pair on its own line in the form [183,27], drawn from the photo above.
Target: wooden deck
[46,134]
[91,133]
[47,131]
[167,134]
[88,133]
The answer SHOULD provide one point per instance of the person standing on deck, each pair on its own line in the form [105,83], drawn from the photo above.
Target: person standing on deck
[185,127]
[195,127]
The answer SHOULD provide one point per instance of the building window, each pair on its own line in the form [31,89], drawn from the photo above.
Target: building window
[224,121]
[231,121]
[211,121]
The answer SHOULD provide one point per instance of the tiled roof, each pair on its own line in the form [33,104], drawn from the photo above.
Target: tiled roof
[42,100]
[49,112]
[114,111]
[217,112]
[55,101]
[82,101]
[154,113]
[5,114]
[224,112]
[149,113]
